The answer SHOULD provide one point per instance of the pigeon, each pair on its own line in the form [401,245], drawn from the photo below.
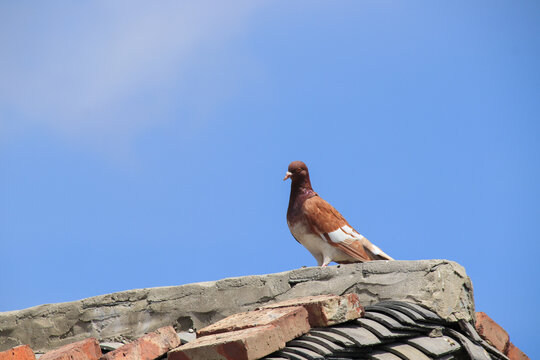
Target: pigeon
[320,228]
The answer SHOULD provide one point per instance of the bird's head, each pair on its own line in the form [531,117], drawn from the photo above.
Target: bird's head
[297,170]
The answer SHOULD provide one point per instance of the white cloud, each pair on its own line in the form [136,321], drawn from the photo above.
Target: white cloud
[84,69]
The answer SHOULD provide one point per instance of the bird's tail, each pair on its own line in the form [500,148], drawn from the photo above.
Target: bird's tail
[375,253]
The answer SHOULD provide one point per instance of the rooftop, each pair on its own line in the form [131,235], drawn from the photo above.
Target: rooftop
[393,310]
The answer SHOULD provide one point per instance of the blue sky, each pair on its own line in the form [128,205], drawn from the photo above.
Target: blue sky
[144,144]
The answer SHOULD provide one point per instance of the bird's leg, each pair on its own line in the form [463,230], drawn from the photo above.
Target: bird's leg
[326,262]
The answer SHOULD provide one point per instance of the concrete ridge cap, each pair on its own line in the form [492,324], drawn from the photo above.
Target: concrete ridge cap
[329,270]
[440,285]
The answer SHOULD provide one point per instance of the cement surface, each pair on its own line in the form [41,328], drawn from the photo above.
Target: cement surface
[440,285]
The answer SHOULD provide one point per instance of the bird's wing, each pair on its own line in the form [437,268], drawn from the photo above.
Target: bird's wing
[332,227]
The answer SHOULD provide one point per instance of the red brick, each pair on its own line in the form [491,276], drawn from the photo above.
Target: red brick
[23,352]
[514,353]
[87,349]
[248,344]
[492,332]
[147,347]
[289,316]
[326,310]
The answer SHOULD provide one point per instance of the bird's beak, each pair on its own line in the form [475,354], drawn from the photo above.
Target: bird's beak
[287,175]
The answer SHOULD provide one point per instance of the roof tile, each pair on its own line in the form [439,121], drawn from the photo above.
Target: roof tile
[427,314]
[387,321]
[382,331]
[320,340]
[360,336]
[435,346]
[475,351]
[398,315]
[333,337]
[383,355]
[290,355]
[406,351]
[310,345]
[306,353]
[407,311]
